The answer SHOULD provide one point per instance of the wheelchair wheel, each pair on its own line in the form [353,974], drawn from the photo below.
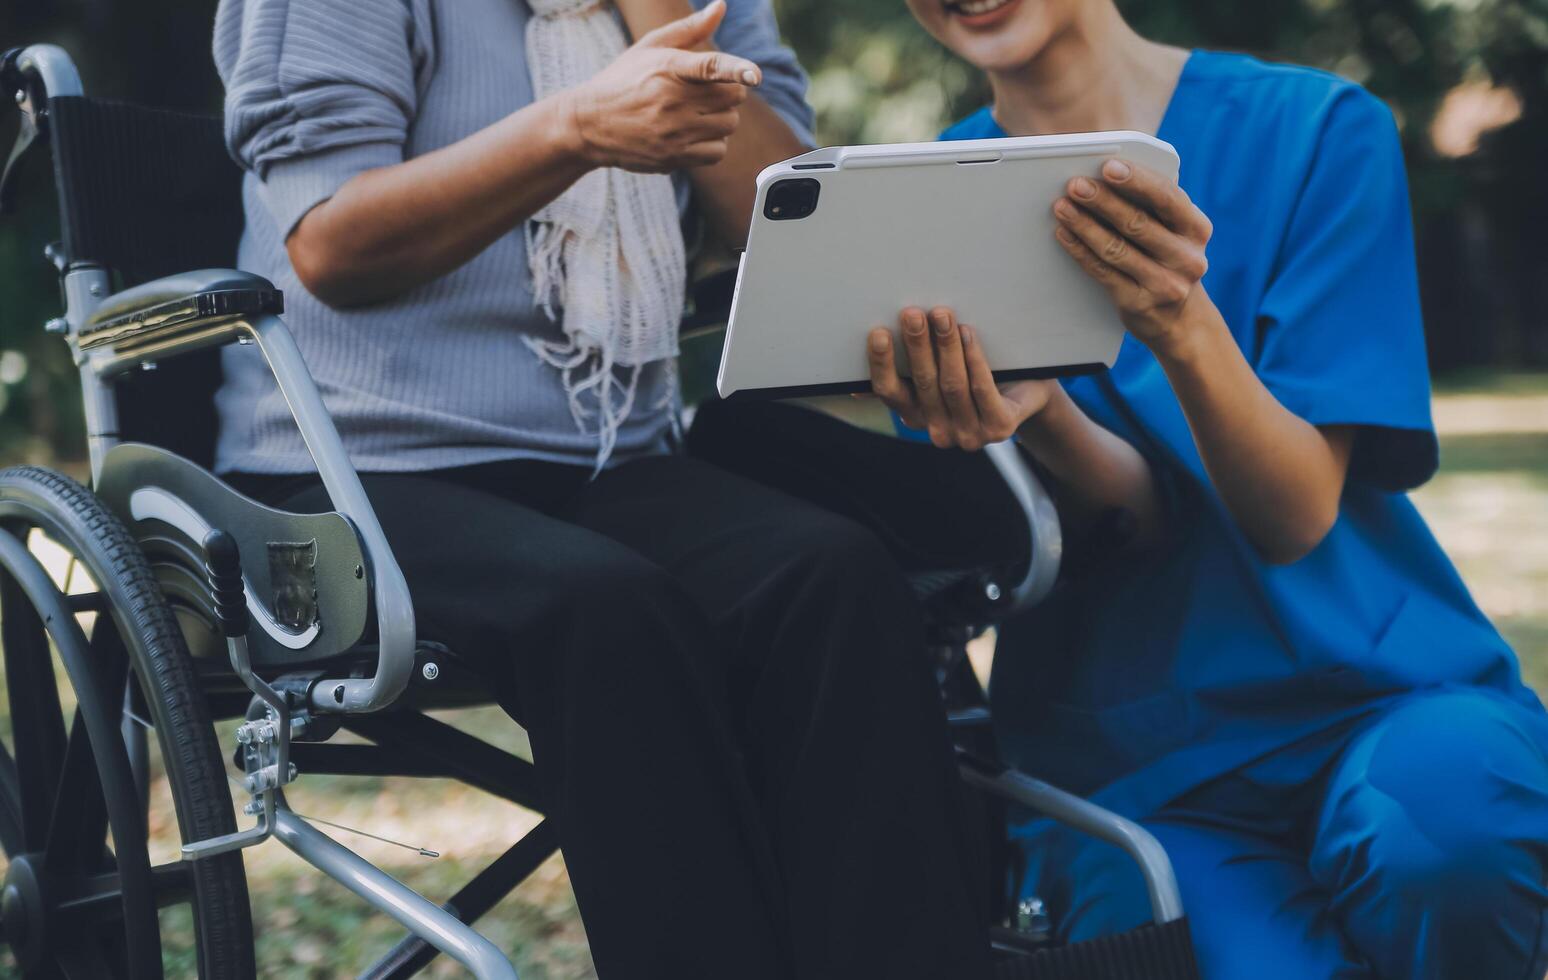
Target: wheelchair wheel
[82,897]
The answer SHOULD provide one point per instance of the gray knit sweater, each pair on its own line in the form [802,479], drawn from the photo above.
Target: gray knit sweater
[320,90]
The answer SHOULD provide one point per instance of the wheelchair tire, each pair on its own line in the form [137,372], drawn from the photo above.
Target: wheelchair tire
[69,905]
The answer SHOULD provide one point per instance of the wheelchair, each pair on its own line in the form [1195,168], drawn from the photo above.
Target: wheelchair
[203,605]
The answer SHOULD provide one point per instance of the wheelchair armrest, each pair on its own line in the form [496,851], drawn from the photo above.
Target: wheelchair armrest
[157,311]
[179,314]
[1047,545]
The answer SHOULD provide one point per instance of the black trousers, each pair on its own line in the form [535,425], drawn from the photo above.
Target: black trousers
[735,724]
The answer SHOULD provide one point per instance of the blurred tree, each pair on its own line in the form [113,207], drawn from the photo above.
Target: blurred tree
[876,77]
[1506,198]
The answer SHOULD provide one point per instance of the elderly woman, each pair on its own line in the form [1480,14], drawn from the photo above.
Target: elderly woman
[474,208]
[1282,676]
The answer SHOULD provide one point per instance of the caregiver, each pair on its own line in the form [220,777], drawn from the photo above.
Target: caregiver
[1281,675]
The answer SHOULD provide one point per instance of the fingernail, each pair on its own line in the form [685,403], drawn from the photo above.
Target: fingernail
[1116,169]
[1063,234]
[914,322]
[879,341]
[1064,208]
[749,77]
[942,324]
[1083,187]
[967,335]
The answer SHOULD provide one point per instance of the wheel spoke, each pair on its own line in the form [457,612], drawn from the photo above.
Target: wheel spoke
[100,711]
[92,908]
[108,647]
[90,901]
[37,722]
[83,602]
[11,840]
[84,961]
[53,971]
[77,835]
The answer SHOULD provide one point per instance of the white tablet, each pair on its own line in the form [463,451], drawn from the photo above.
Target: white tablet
[844,238]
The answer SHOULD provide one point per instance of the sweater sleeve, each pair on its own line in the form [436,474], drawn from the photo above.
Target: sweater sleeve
[318,91]
[750,31]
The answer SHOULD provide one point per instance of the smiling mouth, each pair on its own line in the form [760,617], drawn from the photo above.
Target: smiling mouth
[975,8]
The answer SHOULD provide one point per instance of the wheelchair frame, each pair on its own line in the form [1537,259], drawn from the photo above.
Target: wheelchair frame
[110,335]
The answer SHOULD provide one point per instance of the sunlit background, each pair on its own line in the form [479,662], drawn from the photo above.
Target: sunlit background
[1467,80]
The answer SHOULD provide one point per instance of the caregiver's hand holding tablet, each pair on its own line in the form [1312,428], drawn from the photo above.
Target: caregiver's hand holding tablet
[1133,231]
[952,393]
[1137,234]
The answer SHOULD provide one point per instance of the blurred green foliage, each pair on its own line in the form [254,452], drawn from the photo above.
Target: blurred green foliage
[877,77]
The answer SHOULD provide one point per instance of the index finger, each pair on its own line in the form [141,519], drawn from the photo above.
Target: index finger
[1159,195]
[714,66]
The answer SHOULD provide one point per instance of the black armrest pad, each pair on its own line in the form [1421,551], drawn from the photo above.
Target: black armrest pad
[201,294]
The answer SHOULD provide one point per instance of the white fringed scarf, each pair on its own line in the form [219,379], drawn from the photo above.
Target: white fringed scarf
[609,251]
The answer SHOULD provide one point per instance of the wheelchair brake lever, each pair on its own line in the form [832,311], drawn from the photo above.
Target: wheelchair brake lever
[265,735]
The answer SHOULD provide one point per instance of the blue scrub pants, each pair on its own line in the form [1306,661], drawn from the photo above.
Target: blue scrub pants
[1415,845]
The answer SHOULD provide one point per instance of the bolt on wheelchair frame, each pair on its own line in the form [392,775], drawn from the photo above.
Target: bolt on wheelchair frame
[153,322]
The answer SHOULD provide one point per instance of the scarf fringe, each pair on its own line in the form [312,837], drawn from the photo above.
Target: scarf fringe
[545,260]
[606,258]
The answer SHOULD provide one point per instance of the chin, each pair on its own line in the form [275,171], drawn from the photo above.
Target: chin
[995,35]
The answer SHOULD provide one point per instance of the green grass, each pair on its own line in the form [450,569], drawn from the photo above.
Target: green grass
[1523,453]
[1483,381]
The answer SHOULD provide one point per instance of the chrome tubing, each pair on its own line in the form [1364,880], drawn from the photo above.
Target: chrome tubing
[419,915]
[1047,547]
[394,608]
[53,66]
[1072,811]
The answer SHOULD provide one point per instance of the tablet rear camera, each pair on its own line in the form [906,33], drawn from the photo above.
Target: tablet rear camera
[791,199]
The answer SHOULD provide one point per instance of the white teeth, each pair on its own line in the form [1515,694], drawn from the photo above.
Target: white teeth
[974,8]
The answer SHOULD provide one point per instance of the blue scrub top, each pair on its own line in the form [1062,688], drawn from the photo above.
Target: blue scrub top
[1161,671]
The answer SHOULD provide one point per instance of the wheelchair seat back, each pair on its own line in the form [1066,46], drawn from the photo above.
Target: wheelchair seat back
[148,193]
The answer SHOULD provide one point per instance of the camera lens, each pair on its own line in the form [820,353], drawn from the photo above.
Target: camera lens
[791,199]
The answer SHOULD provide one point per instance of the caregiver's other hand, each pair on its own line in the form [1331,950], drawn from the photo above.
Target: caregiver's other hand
[951,393]
[663,105]
[1139,235]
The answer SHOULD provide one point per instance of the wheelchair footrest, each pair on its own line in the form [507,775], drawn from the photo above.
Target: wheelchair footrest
[1151,952]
